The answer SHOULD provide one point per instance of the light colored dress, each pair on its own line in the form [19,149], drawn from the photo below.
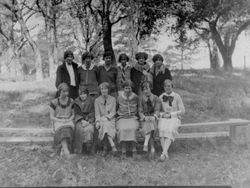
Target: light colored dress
[127,120]
[149,107]
[84,119]
[106,108]
[171,104]
[62,130]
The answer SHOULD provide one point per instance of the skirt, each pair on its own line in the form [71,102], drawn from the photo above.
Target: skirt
[127,129]
[148,127]
[63,131]
[107,127]
[168,127]
[83,134]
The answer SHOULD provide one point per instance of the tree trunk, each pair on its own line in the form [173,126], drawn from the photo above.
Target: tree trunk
[227,61]
[37,54]
[107,39]
[213,55]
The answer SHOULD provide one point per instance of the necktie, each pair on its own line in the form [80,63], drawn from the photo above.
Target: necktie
[168,99]
[123,74]
[150,108]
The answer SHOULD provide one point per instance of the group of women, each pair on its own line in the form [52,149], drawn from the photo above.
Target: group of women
[115,102]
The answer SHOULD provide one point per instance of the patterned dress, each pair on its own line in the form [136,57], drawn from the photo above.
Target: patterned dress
[105,108]
[84,119]
[172,104]
[127,120]
[149,107]
[62,130]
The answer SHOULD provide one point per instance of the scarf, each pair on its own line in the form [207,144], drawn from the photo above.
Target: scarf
[155,71]
[141,68]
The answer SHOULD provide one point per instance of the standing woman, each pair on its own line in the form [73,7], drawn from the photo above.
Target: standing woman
[88,75]
[127,120]
[140,71]
[169,121]
[159,73]
[149,108]
[108,73]
[67,73]
[84,121]
[105,111]
[61,115]
[124,70]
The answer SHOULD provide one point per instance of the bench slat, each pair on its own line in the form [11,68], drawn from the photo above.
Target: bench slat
[233,122]
[15,140]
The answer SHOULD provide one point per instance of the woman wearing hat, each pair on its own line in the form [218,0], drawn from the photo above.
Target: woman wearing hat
[108,73]
[88,75]
[140,71]
[159,73]
[84,121]
[67,73]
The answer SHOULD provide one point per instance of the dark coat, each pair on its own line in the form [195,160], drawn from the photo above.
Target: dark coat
[158,81]
[62,75]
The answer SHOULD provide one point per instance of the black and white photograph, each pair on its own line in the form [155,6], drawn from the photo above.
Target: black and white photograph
[124,93]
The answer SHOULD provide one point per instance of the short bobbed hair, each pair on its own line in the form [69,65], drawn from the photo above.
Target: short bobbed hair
[123,56]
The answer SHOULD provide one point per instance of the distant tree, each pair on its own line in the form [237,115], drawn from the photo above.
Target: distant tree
[224,19]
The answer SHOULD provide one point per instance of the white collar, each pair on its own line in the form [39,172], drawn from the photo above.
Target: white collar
[90,68]
[171,94]
[126,66]
[125,97]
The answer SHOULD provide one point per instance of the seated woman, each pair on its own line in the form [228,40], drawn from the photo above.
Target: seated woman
[149,108]
[105,111]
[127,120]
[169,121]
[61,115]
[84,120]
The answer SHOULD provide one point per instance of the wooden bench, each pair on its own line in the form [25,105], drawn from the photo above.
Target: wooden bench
[239,132]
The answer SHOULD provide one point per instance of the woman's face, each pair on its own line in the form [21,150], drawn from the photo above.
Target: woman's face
[147,91]
[64,93]
[123,62]
[127,90]
[168,87]
[108,60]
[83,96]
[104,90]
[87,62]
[158,63]
[141,60]
[69,59]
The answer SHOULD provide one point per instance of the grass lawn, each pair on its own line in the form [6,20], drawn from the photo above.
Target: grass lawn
[206,96]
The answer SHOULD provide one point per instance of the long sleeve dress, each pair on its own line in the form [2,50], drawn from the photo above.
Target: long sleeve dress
[62,130]
[168,127]
[149,107]
[84,120]
[127,120]
[159,76]
[137,76]
[105,108]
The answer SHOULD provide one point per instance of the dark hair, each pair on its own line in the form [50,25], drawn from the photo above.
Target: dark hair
[83,90]
[87,55]
[141,54]
[68,53]
[127,83]
[146,84]
[157,56]
[108,53]
[123,56]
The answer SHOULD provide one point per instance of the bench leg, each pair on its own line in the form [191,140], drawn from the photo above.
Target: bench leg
[240,135]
